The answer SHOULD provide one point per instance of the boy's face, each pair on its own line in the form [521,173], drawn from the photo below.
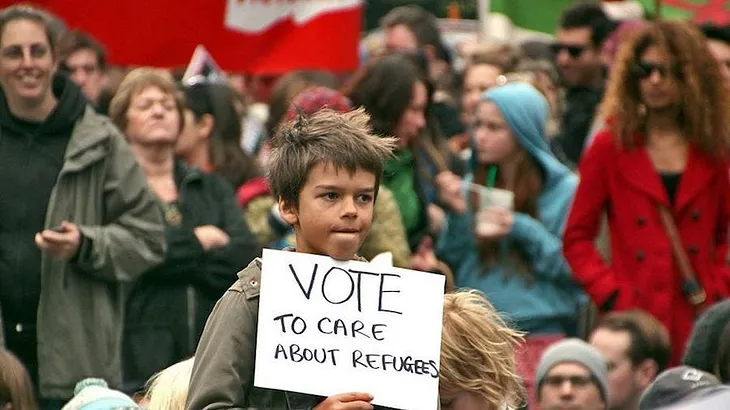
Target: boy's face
[335,211]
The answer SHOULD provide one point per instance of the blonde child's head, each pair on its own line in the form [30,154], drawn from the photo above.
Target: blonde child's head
[168,389]
[477,355]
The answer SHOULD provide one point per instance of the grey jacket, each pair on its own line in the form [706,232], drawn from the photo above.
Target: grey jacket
[102,189]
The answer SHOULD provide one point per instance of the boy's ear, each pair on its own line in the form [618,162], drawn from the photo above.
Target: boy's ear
[288,212]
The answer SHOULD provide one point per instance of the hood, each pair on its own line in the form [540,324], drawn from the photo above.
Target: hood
[70,106]
[526,112]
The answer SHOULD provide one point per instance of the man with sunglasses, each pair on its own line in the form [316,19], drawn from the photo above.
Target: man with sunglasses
[572,375]
[583,29]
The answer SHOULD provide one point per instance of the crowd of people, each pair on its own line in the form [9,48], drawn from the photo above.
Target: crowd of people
[575,195]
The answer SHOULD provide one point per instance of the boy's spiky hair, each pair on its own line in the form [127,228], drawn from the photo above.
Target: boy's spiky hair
[343,140]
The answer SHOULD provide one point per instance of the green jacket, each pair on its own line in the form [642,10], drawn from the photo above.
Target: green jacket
[223,371]
[102,189]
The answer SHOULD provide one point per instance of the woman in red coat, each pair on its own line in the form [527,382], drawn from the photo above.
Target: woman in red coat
[668,126]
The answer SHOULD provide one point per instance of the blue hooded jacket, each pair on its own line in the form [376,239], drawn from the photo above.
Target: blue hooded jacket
[552,299]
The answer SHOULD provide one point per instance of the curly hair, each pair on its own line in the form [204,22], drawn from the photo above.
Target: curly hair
[478,352]
[704,99]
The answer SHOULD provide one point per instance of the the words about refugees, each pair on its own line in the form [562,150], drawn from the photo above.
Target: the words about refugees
[327,327]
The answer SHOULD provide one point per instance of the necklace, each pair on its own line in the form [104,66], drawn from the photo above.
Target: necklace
[173,216]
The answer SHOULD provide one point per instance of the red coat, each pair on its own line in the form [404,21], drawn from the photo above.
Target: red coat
[643,270]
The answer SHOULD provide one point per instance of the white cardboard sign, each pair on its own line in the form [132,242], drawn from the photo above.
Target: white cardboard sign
[327,327]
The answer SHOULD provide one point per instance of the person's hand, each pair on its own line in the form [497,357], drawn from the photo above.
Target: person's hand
[211,237]
[347,401]
[62,243]
[448,186]
[424,259]
[494,223]
[436,218]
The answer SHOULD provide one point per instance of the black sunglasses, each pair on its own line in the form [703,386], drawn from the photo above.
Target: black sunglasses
[645,70]
[573,50]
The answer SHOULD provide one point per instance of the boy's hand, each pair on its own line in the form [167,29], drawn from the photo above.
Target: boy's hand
[347,401]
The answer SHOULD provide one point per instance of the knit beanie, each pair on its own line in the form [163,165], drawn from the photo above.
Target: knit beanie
[574,351]
[95,394]
[314,99]
[701,352]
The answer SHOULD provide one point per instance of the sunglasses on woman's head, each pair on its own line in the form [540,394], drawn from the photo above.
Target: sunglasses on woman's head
[202,80]
[516,77]
[573,50]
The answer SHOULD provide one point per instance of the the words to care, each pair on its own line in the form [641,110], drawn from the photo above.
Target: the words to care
[328,327]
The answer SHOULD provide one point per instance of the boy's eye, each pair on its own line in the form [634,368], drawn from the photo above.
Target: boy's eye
[330,196]
[365,198]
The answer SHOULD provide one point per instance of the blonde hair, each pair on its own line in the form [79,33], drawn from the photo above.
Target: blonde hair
[503,56]
[478,352]
[168,389]
[134,83]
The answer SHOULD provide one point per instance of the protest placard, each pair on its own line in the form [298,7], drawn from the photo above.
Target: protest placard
[327,327]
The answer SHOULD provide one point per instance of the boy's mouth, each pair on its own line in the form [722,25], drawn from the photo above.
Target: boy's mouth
[346,230]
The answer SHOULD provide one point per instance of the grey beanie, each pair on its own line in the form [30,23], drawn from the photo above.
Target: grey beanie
[574,351]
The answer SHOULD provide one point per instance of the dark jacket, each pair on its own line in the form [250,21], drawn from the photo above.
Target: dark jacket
[31,157]
[168,306]
[580,110]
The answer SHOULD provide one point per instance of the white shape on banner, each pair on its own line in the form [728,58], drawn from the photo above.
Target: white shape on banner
[255,16]
[327,327]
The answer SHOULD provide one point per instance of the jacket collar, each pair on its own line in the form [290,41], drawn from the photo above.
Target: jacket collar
[185,174]
[638,171]
[89,141]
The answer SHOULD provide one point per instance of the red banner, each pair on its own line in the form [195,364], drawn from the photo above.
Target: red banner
[251,36]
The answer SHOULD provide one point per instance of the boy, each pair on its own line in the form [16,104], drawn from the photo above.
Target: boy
[325,171]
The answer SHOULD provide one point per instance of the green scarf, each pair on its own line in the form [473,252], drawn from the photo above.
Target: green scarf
[399,177]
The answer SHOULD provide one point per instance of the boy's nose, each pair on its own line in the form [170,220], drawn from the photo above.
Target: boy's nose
[349,207]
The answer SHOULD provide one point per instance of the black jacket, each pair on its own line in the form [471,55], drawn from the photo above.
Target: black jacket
[580,110]
[168,306]
[31,156]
